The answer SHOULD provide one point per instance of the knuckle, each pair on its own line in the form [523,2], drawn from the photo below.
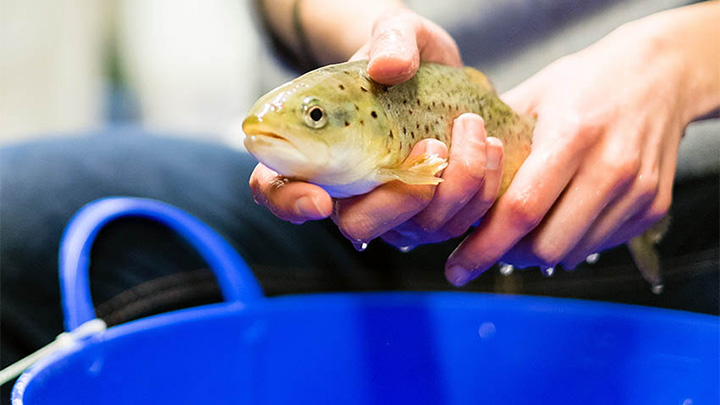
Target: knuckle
[474,170]
[524,212]
[420,197]
[658,210]
[548,254]
[623,170]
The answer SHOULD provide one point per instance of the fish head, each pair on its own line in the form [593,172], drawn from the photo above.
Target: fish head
[320,127]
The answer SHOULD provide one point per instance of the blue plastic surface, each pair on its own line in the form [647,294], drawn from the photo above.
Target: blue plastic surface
[391,348]
[235,278]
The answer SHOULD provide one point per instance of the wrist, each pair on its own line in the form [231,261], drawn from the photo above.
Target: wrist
[335,30]
[683,44]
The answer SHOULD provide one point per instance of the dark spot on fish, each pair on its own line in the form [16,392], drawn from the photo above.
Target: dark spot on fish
[417,125]
[418,102]
[428,108]
[363,89]
[357,108]
[362,122]
[404,131]
[341,87]
[410,112]
[388,105]
[442,103]
[427,128]
[347,124]
[374,114]
[404,101]
[412,134]
[391,134]
[433,103]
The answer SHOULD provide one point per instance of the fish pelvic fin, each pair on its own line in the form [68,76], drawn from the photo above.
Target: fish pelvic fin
[479,78]
[420,169]
[645,256]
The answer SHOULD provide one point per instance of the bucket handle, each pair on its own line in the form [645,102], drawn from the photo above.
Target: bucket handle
[236,280]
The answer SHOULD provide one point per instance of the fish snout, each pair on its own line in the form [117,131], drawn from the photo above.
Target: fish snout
[250,122]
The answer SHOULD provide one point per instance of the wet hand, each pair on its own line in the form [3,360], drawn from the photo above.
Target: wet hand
[602,163]
[409,215]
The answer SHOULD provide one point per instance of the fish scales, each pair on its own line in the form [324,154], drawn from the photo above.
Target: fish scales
[426,106]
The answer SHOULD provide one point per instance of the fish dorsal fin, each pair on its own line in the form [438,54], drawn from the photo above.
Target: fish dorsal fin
[419,169]
[479,78]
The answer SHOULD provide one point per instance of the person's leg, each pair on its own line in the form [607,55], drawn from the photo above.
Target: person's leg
[139,267]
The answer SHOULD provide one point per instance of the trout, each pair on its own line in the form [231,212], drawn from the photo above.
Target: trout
[337,128]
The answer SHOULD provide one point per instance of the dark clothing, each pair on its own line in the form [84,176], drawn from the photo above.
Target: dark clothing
[140,268]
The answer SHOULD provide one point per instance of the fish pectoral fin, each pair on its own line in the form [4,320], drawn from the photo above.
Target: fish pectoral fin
[645,256]
[420,169]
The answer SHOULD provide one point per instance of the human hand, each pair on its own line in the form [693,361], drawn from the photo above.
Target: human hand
[601,169]
[400,39]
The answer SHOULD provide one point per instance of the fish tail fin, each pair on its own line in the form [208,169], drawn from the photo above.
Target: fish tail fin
[479,78]
[645,256]
[420,169]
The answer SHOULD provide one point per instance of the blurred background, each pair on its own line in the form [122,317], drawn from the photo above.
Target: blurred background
[193,67]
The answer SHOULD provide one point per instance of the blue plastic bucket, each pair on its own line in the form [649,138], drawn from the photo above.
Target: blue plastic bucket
[371,348]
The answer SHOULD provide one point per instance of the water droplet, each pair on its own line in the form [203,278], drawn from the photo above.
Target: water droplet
[506,269]
[687,402]
[593,258]
[406,249]
[486,330]
[657,289]
[547,271]
[360,246]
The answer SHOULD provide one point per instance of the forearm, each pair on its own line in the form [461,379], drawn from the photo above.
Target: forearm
[690,36]
[335,29]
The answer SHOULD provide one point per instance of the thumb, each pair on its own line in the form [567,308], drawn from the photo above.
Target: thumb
[393,51]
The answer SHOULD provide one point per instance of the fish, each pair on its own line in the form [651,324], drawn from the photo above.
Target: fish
[339,129]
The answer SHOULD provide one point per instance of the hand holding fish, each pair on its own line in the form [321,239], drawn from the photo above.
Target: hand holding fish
[604,152]
[399,40]
[604,149]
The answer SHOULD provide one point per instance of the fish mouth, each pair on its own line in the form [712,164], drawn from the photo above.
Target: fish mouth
[268,134]
[252,127]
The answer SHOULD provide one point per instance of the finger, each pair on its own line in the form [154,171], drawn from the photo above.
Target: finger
[289,200]
[608,171]
[462,178]
[400,39]
[629,217]
[536,186]
[368,216]
[483,199]
[468,215]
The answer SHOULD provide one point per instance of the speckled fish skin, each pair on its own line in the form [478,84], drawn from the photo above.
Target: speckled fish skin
[371,128]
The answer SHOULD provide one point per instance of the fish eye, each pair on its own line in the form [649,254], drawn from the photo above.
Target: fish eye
[315,116]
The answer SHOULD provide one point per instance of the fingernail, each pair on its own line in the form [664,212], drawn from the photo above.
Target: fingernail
[459,124]
[307,207]
[493,157]
[458,275]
